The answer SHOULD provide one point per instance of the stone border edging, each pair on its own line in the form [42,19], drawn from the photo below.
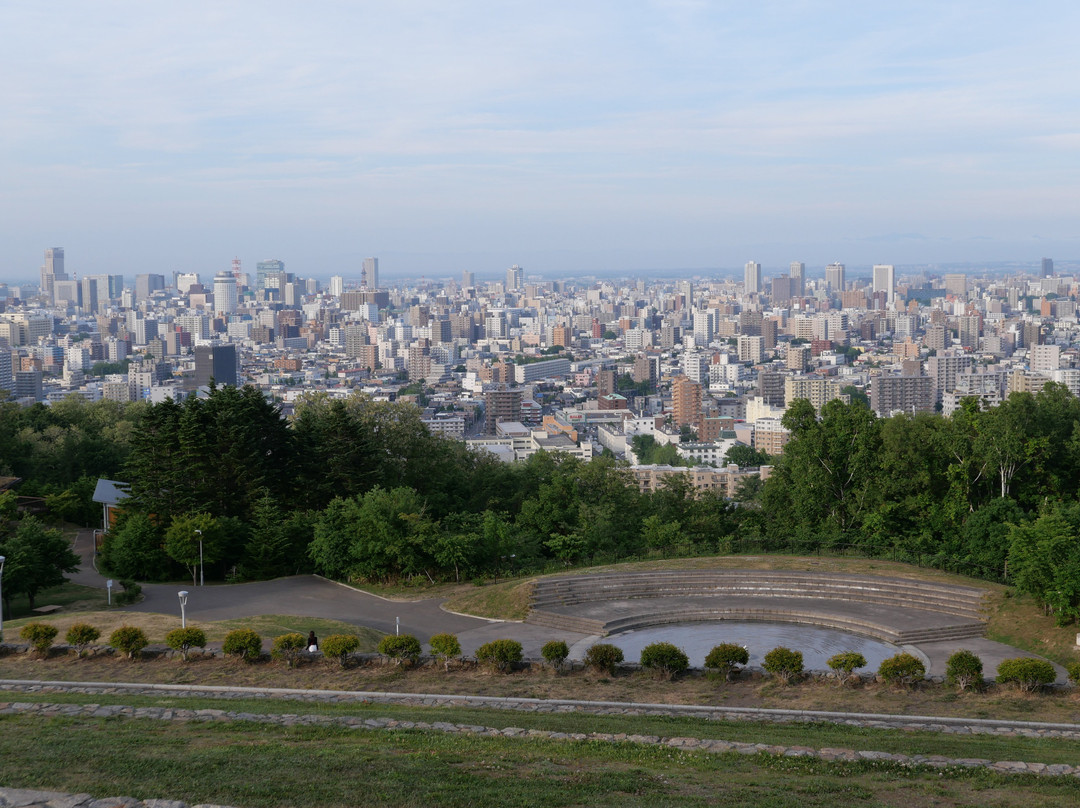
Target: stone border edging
[707,745]
[945,724]
[28,798]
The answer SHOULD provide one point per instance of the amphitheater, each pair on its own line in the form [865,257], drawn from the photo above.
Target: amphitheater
[901,611]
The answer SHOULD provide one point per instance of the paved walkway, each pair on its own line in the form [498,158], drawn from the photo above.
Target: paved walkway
[312,596]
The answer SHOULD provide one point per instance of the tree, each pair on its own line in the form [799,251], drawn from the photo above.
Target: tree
[37,559]
[133,549]
[746,456]
[194,540]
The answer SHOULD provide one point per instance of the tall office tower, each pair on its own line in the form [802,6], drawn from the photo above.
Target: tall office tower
[116,286]
[225,297]
[52,270]
[468,279]
[752,278]
[337,285]
[885,281]
[267,267]
[782,289]
[1048,267]
[515,278]
[369,274]
[834,277]
[146,284]
[90,294]
[217,362]
[7,377]
[185,280]
[798,278]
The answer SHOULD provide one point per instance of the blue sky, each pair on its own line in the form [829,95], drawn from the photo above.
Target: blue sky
[565,137]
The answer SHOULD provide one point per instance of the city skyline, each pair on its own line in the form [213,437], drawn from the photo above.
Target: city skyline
[443,137]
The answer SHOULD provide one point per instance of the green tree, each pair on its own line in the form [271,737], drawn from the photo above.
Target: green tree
[746,456]
[193,540]
[133,549]
[37,559]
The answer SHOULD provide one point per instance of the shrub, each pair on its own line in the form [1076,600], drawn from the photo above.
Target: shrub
[1027,673]
[902,669]
[131,594]
[289,647]
[666,659]
[339,646]
[400,647]
[1073,669]
[445,647]
[129,640]
[844,665]
[40,636]
[783,663]
[244,643]
[80,636]
[964,669]
[727,657]
[501,654]
[555,653]
[184,639]
[604,657]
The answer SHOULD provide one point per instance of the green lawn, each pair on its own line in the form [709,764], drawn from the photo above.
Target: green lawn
[256,765]
[817,735]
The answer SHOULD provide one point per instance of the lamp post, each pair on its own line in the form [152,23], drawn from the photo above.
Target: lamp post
[202,580]
[183,602]
[2,560]
[108,585]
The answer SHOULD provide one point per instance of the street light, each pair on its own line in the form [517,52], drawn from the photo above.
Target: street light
[202,581]
[108,585]
[183,602]
[2,560]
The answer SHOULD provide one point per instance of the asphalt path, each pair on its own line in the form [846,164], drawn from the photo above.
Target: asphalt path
[312,596]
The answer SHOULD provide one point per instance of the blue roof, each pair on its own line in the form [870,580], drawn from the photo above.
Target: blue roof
[110,492]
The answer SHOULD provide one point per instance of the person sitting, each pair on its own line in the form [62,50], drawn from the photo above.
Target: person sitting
[312,642]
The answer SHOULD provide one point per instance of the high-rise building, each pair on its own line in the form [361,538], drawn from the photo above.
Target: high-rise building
[468,279]
[52,270]
[515,278]
[369,274]
[752,278]
[225,296]
[797,270]
[685,401]
[834,277]
[1048,267]
[217,362]
[337,285]
[267,267]
[501,405]
[885,281]
[146,284]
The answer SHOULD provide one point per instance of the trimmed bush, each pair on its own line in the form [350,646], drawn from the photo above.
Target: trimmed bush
[1073,669]
[902,669]
[129,640]
[289,647]
[667,659]
[400,648]
[445,647]
[40,636]
[184,639]
[555,653]
[500,654]
[244,643]
[604,657]
[81,636]
[131,594]
[964,669]
[844,665]
[783,663]
[726,658]
[339,646]
[1027,673]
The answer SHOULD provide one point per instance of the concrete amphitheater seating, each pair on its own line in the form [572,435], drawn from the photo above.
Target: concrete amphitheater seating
[897,610]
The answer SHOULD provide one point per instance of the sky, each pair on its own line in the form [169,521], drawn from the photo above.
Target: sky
[571,138]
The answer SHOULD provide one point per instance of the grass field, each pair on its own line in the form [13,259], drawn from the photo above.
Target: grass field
[816,735]
[258,765]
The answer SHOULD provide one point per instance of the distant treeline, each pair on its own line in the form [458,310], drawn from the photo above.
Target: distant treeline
[360,489]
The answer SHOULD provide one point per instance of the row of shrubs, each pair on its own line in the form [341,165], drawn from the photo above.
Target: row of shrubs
[963,669]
